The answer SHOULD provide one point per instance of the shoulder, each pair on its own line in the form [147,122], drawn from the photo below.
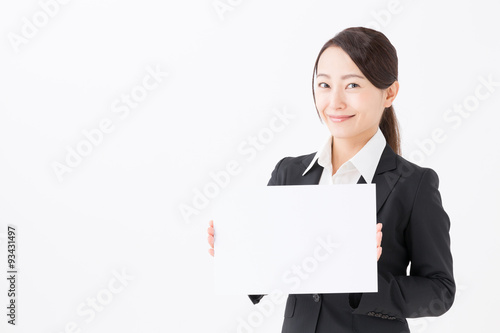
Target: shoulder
[410,170]
[289,168]
[396,166]
[403,175]
[297,162]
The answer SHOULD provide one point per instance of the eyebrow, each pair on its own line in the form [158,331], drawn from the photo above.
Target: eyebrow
[343,77]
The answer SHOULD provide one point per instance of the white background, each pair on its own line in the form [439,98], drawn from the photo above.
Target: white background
[119,208]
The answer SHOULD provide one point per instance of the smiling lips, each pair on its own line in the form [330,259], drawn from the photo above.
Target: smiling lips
[339,119]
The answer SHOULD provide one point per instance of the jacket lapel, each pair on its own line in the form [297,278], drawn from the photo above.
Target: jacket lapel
[312,176]
[386,176]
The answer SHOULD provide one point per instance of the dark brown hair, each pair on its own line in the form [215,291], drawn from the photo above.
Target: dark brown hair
[377,59]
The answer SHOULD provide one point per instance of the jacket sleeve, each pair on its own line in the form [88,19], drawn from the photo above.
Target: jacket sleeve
[429,290]
[273,181]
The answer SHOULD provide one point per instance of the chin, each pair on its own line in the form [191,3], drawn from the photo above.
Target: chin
[341,133]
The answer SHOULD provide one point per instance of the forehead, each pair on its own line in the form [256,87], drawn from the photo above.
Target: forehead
[334,61]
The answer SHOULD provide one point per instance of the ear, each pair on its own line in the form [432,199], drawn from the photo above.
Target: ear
[391,93]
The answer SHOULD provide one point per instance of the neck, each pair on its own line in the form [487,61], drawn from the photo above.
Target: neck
[343,149]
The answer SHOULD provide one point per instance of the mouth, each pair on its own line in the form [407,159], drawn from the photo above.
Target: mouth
[339,118]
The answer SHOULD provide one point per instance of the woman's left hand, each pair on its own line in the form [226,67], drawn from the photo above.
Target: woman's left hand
[379,240]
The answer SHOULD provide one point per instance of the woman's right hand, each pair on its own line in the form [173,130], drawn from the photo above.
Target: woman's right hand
[211,236]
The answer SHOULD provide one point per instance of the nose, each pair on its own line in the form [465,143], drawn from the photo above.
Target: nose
[337,99]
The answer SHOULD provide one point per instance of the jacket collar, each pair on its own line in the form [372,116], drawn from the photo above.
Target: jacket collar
[386,174]
[364,161]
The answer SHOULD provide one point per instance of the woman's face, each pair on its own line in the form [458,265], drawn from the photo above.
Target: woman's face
[347,102]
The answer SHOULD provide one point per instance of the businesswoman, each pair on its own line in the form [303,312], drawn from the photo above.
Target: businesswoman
[355,81]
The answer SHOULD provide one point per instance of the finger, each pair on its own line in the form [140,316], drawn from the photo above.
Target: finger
[379,253]
[211,241]
[211,229]
[211,251]
[379,238]
[379,227]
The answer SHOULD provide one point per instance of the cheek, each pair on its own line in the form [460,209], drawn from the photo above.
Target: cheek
[321,103]
[361,101]
[368,105]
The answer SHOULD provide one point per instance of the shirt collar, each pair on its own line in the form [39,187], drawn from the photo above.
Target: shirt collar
[365,161]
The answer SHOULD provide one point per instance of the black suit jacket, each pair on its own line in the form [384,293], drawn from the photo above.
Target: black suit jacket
[415,232]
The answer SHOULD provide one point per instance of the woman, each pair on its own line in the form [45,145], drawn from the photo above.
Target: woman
[354,86]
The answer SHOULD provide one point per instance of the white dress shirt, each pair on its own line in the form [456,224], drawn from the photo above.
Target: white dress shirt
[364,163]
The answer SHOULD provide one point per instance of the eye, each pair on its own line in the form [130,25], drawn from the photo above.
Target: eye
[323,85]
[351,85]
